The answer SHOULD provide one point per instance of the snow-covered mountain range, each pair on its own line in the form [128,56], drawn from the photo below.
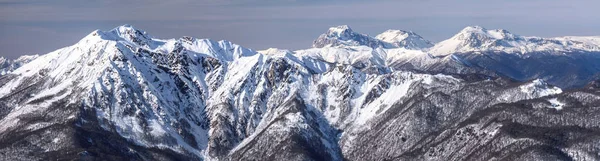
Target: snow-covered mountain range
[567,62]
[479,39]
[345,36]
[481,95]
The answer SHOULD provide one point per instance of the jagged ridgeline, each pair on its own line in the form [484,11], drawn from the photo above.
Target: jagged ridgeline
[480,95]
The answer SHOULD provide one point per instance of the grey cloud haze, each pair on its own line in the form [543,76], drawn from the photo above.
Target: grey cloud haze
[39,26]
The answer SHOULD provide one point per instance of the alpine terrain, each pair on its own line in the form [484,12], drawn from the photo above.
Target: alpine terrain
[480,95]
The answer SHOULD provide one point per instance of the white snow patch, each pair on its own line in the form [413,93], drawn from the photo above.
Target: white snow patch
[156,129]
[555,104]
[539,88]
[391,96]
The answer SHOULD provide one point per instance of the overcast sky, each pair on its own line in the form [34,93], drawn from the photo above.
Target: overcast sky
[41,26]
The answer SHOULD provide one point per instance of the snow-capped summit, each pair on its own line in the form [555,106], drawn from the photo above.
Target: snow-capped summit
[480,39]
[129,33]
[275,51]
[406,39]
[345,36]
[474,33]
[126,33]
[342,31]
[474,38]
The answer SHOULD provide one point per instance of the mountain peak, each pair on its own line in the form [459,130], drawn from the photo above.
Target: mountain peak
[344,36]
[124,32]
[340,28]
[398,31]
[481,33]
[131,34]
[342,32]
[477,38]
[406,39]
[473,28]
[123,27]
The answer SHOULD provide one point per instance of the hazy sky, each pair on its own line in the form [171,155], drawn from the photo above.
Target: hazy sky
[41,26]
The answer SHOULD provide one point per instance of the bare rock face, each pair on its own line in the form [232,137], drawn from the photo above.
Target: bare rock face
[124,95]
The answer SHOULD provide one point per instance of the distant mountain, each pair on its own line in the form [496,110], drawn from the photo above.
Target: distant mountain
[568,62]
[404,39]
[7,65]
[126,95]
[479,39]
[345,36]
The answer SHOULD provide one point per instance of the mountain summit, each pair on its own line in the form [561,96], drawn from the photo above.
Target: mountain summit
[405,39]
[345,36]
